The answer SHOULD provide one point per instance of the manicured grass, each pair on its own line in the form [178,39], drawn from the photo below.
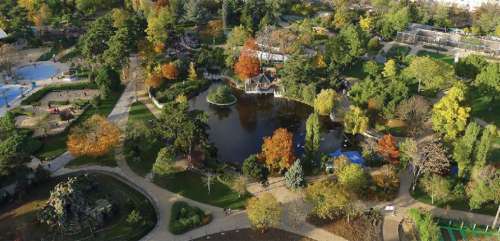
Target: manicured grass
[443,57]
[147,156]
[106,160]
[19,217]
[458,204]
[191,185]
[55,145]
[483,108]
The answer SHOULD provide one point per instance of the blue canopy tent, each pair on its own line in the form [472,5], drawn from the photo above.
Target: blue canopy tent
[353,156]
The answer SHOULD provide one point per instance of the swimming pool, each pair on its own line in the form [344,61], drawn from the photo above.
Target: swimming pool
[37,71]
[9,93]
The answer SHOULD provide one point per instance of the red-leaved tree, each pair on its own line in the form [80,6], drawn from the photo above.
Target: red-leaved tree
[248,64]
[388,149]
[277,151]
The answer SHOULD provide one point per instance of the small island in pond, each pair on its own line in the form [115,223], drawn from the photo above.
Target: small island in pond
[221,96]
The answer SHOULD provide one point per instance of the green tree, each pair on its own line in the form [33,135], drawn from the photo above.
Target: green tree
[390,69]
[134,217]
[355,121]
[488,81]
[165,162]
[409,152]
[193,11]
[236,38]
[463,147]
[470,66]
[427,228]
[313,137]
[449,116]
[264,212]
[371,68]
[397,19]
[352,177]
[294,177]
[483,146]
[185,129]
[158,24]
[484,187]
[438,187]
[94,42]
[11,146]
[108,80]
[254,168]
[431,74]
[324,102]
[118,49]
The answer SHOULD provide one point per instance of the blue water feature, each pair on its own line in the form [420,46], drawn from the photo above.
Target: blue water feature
[35,72]
[9,93]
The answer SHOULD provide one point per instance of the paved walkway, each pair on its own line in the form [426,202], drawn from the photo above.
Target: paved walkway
[163,199]
[405,201]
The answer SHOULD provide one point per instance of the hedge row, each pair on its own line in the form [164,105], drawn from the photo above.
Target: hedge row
[188,88]
[185,217]
[37,96]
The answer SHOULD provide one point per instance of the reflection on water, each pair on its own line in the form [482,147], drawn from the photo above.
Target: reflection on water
[237,131]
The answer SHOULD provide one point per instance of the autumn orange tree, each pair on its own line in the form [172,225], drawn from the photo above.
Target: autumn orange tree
[248,64]
[388,149]
[277,150]
[154,80]
[95,137]
[169,71]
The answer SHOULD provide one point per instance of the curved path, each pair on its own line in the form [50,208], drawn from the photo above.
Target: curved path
[405,201]
[163,199]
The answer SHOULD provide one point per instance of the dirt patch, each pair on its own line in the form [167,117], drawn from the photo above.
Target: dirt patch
[360,229]
[250,234]
[407,231]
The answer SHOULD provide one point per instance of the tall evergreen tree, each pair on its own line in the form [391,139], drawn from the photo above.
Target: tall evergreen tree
[294,177]
[463,147]
[193,11]
[312,142]
[483,146]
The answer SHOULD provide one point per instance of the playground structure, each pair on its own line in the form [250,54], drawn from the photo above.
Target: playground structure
[455,230]
[418,33]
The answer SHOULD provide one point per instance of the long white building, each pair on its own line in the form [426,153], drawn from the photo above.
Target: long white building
[468,4]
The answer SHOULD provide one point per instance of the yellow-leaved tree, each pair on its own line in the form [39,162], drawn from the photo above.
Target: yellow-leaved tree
[449,115]
[264,211]
[324,102]
[95,137]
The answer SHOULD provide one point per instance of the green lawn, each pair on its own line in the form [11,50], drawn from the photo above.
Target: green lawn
[443,57]
[106,160]
[191,185]
[458,204]
[483,108]
[147,155]
[55,145]
[19,217]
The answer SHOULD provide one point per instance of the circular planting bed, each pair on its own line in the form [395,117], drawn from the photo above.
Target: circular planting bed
[133,216]
[221,96]
[250,234]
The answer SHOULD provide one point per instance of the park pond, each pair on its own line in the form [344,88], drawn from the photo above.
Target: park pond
[238,130]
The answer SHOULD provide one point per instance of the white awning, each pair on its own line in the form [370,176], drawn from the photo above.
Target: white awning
[3,34]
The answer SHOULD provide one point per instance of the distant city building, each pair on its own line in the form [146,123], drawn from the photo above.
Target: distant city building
[468,4]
